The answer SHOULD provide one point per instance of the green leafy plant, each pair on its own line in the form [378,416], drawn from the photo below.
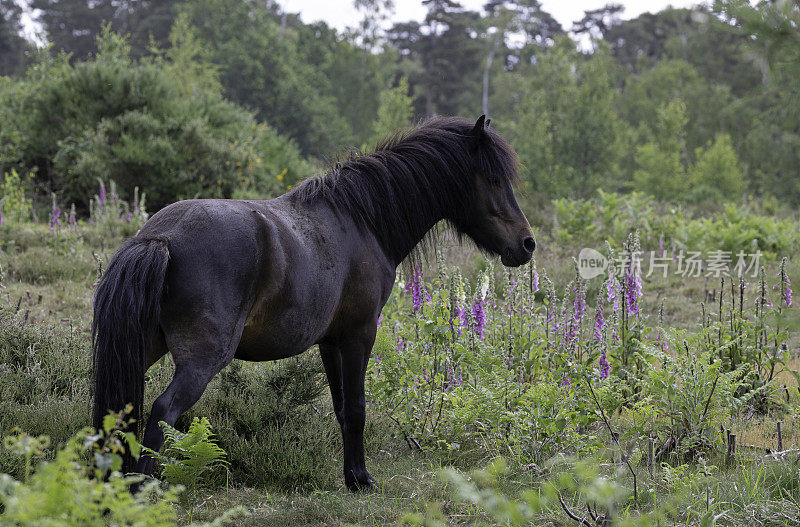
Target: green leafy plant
[82,484]
[190,459]
[15,206]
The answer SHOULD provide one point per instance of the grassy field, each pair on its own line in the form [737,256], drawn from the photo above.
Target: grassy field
[276,422]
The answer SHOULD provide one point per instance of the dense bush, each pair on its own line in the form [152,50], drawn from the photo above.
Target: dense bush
[158,123]
[610,216]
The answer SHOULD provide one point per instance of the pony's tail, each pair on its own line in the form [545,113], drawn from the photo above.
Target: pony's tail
[126,314]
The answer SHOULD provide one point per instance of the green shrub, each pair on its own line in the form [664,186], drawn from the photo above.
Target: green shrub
[14,205]
[82,485]
[141,123]
[270,420]
[660,168]
[44,381]
[717,174]
[734,228]
[686,400]
[61,492]
[395,112]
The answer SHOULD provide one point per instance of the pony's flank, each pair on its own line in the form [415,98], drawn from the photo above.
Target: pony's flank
[413,179]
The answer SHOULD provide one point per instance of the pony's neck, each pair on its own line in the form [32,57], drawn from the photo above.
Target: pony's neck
[425,190]
[401,191]
[415,235]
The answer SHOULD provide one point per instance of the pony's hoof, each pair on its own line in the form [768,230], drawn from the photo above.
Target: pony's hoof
[361,482]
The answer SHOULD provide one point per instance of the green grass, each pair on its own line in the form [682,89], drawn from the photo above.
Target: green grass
[276,422]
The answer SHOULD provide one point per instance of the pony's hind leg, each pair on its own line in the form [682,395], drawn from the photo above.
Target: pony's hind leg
[197,361]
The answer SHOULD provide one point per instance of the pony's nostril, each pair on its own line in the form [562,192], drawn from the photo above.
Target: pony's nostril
[529,244]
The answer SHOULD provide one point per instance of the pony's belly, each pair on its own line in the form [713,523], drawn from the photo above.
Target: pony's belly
[264,343]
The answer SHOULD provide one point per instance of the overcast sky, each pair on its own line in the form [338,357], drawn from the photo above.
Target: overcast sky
[341,14]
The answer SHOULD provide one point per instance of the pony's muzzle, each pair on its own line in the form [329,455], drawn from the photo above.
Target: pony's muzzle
[519,255]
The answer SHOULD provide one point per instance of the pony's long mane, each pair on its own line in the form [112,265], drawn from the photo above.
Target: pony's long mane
[413,179]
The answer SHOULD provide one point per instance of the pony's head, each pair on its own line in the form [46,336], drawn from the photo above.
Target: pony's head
[491,216]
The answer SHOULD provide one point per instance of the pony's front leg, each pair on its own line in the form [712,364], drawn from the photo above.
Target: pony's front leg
[354,356]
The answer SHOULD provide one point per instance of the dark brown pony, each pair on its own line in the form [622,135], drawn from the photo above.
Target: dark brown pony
[215,280]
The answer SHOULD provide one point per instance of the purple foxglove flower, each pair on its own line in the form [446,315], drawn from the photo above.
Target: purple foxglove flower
[787,293]
[414,286]
[599,322]
[605,368]
[767,301]
[479,316]
[634,291]
[661,341]
[551,307]
[613,292]
[579,306]
[463,316]
[55,216]
[785,284]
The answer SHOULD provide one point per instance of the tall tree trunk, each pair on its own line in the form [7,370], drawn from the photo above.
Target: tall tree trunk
[486,71]
[283,26]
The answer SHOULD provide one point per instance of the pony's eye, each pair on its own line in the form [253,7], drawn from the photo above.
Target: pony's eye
[494,181]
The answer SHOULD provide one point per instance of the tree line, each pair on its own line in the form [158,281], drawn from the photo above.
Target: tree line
[239,97]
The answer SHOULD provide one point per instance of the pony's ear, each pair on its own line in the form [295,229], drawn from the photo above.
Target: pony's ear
[479,124]
[487,122]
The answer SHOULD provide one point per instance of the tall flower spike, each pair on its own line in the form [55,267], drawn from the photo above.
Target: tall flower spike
[534,276]
[613,290]
[55,214]
[550,308]
[599,321]
[478,312]
[660,337]
[762,299]
[455,305]
[786,285]
[414,286]
[633,275]
[101,198]
[578,309]
[72,220]
[605,367]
